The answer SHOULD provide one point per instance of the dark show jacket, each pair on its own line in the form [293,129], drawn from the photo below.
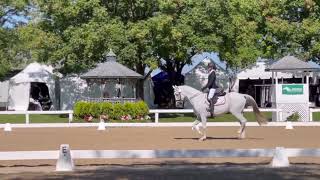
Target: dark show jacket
[211,81]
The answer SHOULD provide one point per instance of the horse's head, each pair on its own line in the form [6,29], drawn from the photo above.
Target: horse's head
[178,96]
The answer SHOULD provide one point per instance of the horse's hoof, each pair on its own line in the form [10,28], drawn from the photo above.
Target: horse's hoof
[242,136]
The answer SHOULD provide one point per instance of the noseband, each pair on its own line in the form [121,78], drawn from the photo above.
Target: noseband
[179,99]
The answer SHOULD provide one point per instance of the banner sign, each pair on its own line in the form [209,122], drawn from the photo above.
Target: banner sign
[292,89]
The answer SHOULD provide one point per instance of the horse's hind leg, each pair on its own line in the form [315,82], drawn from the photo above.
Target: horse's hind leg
[242,121]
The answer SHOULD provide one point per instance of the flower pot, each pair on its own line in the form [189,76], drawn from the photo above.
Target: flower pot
[88,118]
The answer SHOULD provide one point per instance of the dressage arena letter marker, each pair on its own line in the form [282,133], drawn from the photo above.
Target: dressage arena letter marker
[289,125]
[101,126]
[280,158]
[7,127]
[65,162]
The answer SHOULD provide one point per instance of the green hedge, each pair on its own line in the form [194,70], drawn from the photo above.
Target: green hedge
[117,111]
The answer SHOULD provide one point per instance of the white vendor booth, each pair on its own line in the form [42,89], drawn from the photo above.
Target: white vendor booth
[291,97]
[20,86]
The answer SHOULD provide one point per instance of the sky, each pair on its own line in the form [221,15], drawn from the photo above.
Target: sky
[17,19]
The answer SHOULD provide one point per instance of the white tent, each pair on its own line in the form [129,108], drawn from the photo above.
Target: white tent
[255,72]
[20,85]
[258,71]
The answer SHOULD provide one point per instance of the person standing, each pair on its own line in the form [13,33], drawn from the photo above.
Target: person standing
[211,85]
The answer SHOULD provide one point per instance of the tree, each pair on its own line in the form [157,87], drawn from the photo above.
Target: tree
[236,23]
[10,13]
[144,33]
[291,27]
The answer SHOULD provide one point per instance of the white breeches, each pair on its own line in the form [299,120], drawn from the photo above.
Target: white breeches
[211,93]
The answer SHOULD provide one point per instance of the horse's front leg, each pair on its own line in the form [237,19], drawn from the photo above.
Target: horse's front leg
[196,125]
[204,127]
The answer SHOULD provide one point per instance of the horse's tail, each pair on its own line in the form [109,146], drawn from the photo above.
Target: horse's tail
[261,119]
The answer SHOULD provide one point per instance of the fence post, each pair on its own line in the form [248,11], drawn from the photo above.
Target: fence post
[156,116]
[280,115]
[27,118]
[310,115]
[70,117]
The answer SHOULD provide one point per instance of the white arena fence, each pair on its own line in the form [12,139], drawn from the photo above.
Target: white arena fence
[27,113]
[156,113]
[65,156]
[151,111]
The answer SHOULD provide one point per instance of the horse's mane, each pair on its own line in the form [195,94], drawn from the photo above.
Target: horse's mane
[190,89]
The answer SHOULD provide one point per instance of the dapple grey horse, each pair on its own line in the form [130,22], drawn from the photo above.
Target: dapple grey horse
[234,103]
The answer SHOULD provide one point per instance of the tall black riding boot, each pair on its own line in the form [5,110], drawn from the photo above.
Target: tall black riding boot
[212,107]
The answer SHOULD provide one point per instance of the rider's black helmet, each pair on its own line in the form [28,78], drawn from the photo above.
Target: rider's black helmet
[211,65]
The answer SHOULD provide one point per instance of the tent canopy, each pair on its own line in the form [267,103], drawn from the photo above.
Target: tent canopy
[34,72]
[20,85]
[257,71]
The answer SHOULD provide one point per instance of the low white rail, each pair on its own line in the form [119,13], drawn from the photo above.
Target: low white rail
[280,155]
[158,111]
[113,154]
[27,113]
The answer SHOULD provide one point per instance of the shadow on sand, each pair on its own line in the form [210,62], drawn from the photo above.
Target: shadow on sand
[174,172]
[218,138]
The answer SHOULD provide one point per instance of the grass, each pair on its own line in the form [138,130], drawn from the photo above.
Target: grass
[174,117]
[316,116]
[34,118]
[224,118]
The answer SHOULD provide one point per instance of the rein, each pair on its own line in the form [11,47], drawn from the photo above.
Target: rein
[197,94]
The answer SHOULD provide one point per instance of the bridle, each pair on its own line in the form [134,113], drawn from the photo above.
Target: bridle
[178,97]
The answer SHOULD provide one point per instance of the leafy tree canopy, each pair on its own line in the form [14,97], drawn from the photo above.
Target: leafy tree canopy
[75,34]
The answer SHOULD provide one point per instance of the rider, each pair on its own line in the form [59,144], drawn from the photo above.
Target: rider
[211,85]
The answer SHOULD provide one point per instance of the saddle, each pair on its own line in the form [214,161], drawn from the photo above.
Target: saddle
[218,93]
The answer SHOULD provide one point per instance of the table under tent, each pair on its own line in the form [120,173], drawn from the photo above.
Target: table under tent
[111,81]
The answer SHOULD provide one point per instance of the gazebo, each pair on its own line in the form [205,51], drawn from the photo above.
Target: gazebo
[117,82]
[291,97]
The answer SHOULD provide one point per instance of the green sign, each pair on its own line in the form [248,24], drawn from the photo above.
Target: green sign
[292,89]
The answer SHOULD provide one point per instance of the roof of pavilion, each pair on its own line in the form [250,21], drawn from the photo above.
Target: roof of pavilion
[111,69]
[291,63]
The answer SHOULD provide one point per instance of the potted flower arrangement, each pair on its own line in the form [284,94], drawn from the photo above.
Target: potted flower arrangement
[88,118]
[126,117]
[104,117]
